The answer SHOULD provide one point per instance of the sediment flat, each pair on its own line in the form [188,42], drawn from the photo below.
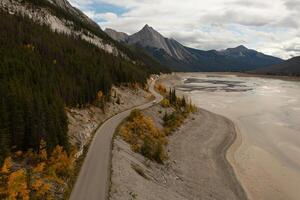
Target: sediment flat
[197,167]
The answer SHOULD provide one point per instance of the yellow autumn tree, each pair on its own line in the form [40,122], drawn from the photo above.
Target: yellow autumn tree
[4,173]
[42,188]
[45,172]
[6,165]
[60,164]
[165,103]
[101,100]
[17,187]
[100,94]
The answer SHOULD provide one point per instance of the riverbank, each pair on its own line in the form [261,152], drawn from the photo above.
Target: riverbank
[281,77]
[196,167]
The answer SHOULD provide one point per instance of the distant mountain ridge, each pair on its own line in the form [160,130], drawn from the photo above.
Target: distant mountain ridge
[290,67]
[171,53]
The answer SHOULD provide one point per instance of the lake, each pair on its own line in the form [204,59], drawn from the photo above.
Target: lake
[266,155]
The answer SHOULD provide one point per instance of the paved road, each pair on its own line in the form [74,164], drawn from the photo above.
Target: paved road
[93,179]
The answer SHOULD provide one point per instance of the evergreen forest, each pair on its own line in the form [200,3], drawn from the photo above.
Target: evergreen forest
[42,72]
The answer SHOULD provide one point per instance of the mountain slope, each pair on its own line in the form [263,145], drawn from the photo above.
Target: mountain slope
[66,6]
[179,57]
[118,36]
[290,67]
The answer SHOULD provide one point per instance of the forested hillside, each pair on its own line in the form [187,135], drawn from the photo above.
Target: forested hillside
[290,67]
[42,72]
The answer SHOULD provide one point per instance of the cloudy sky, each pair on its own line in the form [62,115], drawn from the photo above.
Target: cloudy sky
[270,26]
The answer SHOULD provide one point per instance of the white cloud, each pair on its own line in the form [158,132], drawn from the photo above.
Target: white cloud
[269,26]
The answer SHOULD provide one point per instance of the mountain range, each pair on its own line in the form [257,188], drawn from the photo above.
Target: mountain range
[178,57]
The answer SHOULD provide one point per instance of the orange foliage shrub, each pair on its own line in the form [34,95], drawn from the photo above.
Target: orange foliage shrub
[144,137]
[161,89]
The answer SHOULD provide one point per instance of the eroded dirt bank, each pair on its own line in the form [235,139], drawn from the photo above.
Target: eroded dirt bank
[84,121]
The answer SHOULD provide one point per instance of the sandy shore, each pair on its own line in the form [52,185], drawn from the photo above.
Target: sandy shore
[197,167]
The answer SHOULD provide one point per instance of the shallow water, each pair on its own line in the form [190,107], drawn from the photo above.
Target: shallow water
[267,113]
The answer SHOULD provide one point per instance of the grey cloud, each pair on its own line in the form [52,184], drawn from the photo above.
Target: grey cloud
[295,47]
[248,3]
[235,16]
[292,4]
[289,22]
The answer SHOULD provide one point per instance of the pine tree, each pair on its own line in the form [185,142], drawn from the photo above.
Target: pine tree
[183,102]
[4,132]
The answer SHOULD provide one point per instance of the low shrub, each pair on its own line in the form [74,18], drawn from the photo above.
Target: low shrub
[165,103]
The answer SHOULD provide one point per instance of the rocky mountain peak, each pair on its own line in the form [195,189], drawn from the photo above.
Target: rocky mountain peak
[241,48]
[147,28]
[148,37]
[151,32]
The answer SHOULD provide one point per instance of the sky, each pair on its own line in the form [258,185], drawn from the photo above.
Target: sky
[269,26]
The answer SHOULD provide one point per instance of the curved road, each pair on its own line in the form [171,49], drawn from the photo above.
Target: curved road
[93,180]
